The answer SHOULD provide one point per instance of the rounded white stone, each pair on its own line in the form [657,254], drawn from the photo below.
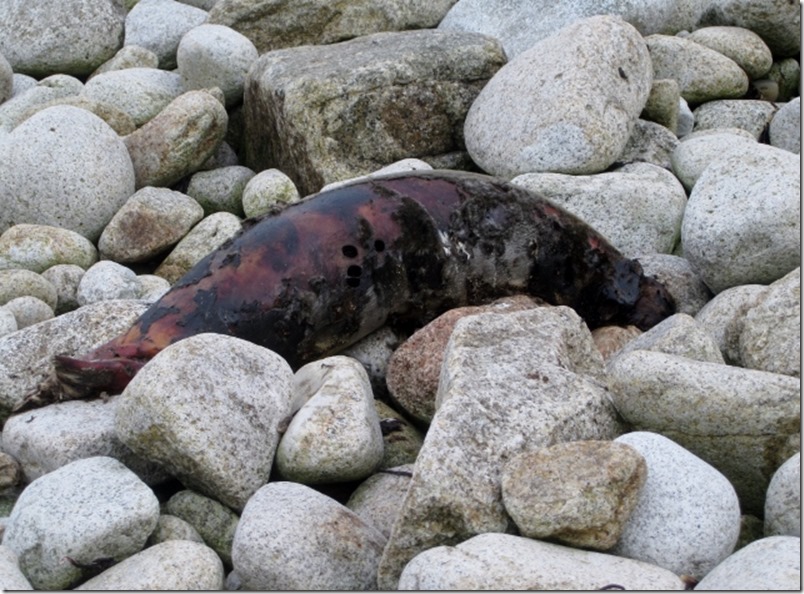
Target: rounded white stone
[107,280]
[783,500]
[65,167]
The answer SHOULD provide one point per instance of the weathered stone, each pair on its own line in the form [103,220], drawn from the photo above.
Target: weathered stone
[66,278]
[566,105]
[783,501]
[274,24]
[222,444]
[614,204]
[743,46]
[171,565]
[702,74]
[171,527]
[506,562]
[771,336]
[724,317]
[493,402]
[205,237]
[73,36]
[579,493]
[29,311]
[89,509]
[151,220]
[220,189]
[178,140]
[414,368]
[215,522]
[64,167]
[699,149]
[785,127]
[128,56]
[675,273]
[678,335]
[159,26]
[378,499]
[266,191]
[107,280]
[753,116]
[743,422]
[731,237]
[687,518]
[650,143]
[662,103]
[335,436]
[772,563]
[313,542]
[327,113]
[26,358]
[18,283]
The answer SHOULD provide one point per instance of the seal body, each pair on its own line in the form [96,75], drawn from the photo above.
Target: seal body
[323,273]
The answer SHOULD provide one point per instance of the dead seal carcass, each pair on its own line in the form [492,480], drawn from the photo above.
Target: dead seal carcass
[323,273]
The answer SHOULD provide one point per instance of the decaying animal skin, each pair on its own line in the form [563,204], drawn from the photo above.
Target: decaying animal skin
[325,272]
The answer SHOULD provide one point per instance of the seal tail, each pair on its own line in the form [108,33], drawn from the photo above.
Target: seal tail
[73,379]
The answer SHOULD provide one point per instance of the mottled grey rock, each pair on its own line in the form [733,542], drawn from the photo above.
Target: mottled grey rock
[379,498]
[26,357]
[68,431]
[6,79]
[29,310]
[178,140]
[220,189]
[752,116]
[492,403]
[771,336]
[610,340]
[158,25]
[23,82]
[702,74]
[678,335]
[785,127]
[171,565]
[11,577]
[579,493]
[662,105]
[8,323]
[65,167]
[314,542]
[335,436]
[151,221]
[27,101]
[783,501]
[685,286]
[414,368]
[88,509]
[215,56]
[772,563]
[107,280]
[140,92]
[699,149]
[614,204]
[66,278]
[118,120]
[507,562]
[743,46]
[223,443]
[373,351]
[38,247]
[267,190]
[778,22]
[152,287]
[786,75]
[73,36]
[327,113]
[287,23]
[743,422]
[687,518]
[568,104]
[649,143]
[128,56]
[402,441]
[519,25]
[686,119]
[19,283]
[206,236]
[742,221]
[171,527]
[724,317]
[215,522]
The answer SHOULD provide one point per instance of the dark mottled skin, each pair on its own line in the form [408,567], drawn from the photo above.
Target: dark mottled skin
[325,272]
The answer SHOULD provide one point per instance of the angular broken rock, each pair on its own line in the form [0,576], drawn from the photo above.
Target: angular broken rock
[509,384]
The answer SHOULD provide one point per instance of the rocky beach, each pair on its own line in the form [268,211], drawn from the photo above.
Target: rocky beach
[495,443]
